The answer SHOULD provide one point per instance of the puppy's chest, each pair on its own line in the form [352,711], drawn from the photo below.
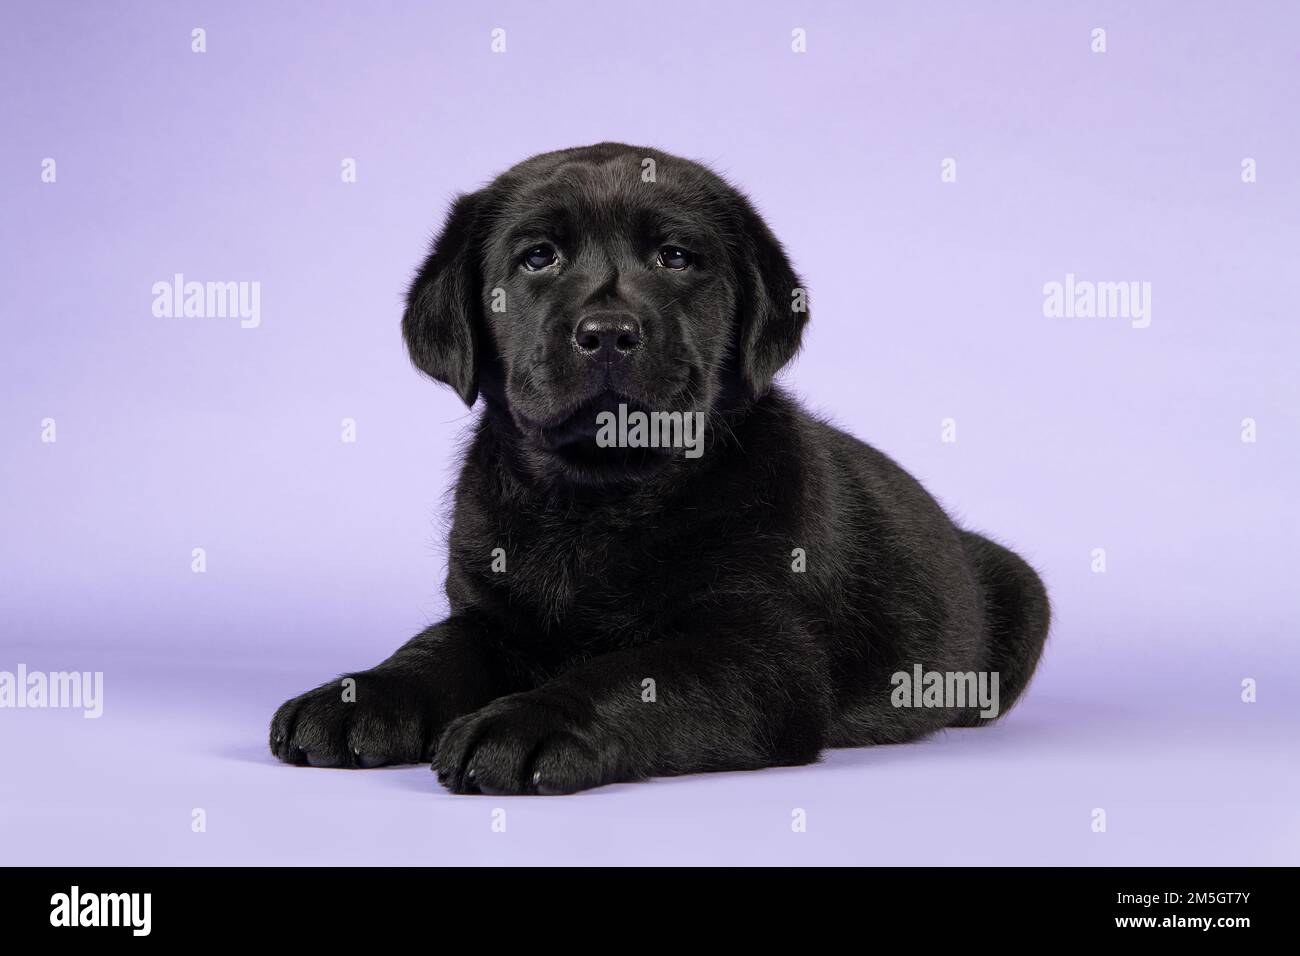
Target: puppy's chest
[568,569]
[595,574]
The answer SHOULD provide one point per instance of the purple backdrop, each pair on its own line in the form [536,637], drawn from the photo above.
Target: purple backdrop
[1073,434]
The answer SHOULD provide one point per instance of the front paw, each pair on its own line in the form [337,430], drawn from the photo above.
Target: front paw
[533,742]
[376,719]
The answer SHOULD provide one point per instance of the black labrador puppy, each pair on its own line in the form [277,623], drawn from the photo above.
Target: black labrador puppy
[659,563]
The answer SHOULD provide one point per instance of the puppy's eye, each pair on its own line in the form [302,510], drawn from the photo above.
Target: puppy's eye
[539,257]
[674,257]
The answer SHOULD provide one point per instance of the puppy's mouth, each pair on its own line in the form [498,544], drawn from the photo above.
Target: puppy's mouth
[583,425]
[580,442]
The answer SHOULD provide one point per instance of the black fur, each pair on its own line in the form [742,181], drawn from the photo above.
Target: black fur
[628,565]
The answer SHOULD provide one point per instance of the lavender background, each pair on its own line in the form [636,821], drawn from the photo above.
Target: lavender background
[927,304]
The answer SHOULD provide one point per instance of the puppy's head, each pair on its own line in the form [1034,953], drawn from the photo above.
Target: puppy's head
[608,275]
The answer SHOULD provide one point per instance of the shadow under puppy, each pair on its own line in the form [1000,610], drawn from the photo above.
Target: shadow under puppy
[619,611]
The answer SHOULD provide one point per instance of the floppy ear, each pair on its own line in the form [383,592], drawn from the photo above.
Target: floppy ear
[443,322]
[773,303]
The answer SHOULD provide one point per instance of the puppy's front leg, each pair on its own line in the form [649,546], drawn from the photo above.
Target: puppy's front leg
[394,712]
[711,701]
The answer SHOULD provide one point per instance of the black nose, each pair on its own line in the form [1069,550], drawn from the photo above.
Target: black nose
[608,336]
